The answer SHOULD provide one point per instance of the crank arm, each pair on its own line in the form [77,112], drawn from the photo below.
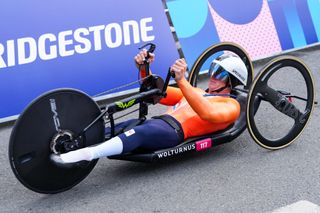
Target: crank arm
[281,103]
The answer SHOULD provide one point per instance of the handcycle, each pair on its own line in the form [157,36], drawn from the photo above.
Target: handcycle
[63,120]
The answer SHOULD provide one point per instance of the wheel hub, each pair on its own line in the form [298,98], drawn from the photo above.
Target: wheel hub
[62,142]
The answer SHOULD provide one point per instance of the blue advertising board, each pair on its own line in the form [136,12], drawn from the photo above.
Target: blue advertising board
[87,45]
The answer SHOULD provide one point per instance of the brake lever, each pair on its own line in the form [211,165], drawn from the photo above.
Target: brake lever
[150,50]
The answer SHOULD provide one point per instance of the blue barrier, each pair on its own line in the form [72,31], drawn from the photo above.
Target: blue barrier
[85,45]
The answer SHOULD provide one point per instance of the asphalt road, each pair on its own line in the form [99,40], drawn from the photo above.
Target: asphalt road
[236,177]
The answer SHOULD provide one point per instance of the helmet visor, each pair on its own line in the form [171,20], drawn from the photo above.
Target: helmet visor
[216,71]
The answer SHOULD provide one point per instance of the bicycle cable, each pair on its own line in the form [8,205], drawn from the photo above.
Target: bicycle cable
[121,87]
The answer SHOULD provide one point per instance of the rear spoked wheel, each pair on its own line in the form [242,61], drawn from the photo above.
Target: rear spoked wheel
[285,107]
[51,124]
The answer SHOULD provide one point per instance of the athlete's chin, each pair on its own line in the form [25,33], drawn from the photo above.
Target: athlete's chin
[212,89]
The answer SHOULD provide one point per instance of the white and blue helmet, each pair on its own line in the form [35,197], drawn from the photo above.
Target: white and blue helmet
[231,64]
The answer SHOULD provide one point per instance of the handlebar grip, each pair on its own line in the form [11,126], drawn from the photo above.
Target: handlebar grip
[151,49]
[147,58]
[166,83]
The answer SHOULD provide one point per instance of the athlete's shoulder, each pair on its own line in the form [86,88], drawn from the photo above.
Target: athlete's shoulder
[225,99]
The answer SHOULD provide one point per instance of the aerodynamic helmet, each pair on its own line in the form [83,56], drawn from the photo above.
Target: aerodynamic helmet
[231,64]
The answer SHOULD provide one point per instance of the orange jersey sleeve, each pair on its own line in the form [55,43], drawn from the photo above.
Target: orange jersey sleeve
[174,95]
[222,110]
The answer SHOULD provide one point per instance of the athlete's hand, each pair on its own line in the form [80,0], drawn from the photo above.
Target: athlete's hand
[139,58]
[179,68]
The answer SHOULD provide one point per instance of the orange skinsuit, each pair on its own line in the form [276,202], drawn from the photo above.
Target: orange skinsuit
[199,115]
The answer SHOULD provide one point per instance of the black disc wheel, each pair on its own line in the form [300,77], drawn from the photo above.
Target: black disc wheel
[48,125]
[286,89]
[198,75]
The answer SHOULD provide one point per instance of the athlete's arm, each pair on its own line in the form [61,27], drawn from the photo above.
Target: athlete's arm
[220,111]
[174,95]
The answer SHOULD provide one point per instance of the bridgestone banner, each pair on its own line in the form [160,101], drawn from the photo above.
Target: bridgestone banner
[87,45]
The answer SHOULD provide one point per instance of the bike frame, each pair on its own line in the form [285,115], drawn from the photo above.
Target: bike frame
[143,98]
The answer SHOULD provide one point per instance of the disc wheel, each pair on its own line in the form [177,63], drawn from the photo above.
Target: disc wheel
[290,106]
[40,130]
[201,66]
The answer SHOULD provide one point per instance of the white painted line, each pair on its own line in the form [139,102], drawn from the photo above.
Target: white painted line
[302,206]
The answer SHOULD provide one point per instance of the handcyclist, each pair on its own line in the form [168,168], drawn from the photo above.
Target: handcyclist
[193,112]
